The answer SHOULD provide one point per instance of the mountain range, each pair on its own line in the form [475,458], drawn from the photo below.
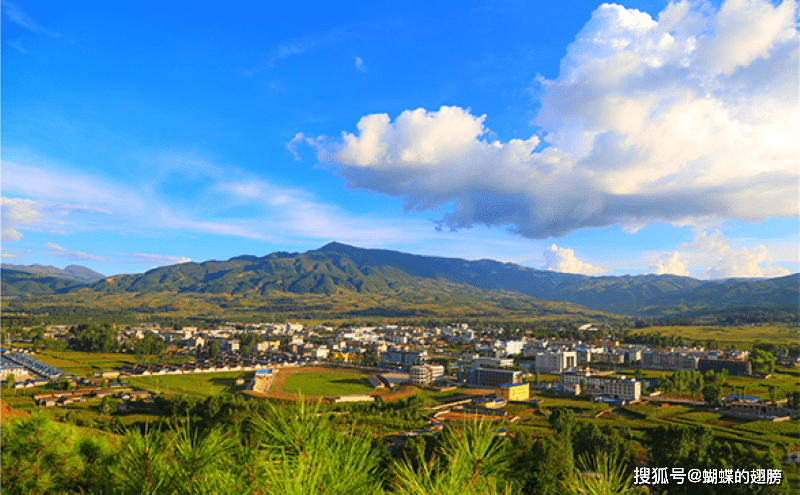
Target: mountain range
[44,279]
[341,269]
[76,273]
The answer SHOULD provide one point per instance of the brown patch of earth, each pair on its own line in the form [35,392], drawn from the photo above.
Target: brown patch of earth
[7,413]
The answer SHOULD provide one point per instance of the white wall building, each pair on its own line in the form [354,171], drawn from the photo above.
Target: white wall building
[320,352]
[512,347]
[555,361]
[492,362]
[618,387]
[426,373]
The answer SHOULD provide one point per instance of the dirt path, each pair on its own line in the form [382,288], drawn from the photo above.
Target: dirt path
[401,392]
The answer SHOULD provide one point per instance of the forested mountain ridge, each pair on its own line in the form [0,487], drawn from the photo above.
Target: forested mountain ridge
[16,282]
[338,266]
[340,269]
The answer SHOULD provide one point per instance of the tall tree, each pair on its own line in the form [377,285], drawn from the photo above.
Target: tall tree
[213,349]
[561,420]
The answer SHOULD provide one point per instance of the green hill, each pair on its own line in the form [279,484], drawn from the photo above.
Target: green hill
[371,279]
[15,282]
[74,273]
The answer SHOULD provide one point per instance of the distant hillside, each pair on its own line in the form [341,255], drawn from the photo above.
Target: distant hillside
[713,296]
[75,273]
[15,283]
[338,270]
[593,292]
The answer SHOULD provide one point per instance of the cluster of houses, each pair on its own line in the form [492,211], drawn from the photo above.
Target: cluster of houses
[66,397]
[199,366]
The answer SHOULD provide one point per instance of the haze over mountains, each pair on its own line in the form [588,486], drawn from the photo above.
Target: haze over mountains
[339,268]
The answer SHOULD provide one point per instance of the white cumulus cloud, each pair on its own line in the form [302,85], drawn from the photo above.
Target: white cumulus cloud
[689,115]
[564,260]
[670,264]
[722,260]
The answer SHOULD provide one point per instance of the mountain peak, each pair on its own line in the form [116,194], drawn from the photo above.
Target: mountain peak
[333,246]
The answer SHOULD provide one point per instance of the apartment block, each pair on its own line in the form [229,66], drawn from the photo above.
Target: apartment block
[426,373]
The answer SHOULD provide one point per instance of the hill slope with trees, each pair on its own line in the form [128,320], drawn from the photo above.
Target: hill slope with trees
[339,269]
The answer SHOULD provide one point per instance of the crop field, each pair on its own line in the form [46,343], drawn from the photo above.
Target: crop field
[199,385]
[698,416]
[327,383]
[83,363]
[80,363]
[788,428]
[743,337]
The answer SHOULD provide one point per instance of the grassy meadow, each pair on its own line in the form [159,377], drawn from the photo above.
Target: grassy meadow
[200,385]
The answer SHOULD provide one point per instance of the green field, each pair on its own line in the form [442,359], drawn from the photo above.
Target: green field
[83,363]
[743,337]
[327,383]
[195,385]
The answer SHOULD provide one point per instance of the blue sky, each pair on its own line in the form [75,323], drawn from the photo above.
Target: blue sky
[646,137]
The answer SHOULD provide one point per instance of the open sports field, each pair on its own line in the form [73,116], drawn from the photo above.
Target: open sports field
[742,337]
[325,382]
[318,382]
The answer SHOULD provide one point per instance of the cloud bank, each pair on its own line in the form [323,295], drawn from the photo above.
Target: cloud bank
[684,118]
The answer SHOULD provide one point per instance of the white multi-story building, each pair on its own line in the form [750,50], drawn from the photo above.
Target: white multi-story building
[512,347]
[555,360]
[320,352]
[492,362]
[623,388]
[401,339]
[426,373]
[586,355]
[618,387]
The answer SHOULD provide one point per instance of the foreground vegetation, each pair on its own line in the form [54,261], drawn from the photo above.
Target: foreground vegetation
[230,445]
